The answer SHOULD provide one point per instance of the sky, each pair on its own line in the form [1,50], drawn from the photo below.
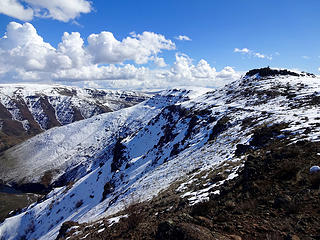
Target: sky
[147,44]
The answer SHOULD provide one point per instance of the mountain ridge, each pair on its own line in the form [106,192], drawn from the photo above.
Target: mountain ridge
[195,146]
[29,109]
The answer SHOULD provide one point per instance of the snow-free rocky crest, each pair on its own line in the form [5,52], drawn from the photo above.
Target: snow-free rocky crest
[176,139]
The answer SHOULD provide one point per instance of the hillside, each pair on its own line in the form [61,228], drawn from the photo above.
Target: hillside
[29,109]
[228,164]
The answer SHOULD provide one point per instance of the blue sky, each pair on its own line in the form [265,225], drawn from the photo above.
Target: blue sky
[272,33]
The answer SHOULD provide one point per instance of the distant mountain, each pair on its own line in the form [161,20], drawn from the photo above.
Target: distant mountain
[28,109]
[233,163]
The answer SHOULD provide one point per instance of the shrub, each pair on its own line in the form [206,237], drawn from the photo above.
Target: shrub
[135,211]
[79,203]
[46,179]
[264,134]
[201,209]
[69,186]
[107,189]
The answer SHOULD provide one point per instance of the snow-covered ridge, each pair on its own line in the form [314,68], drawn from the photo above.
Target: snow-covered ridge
[32,108]
[136,152]
[76,144]
[63,99]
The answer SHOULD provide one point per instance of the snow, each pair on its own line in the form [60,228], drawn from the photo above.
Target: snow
[202,195]
[64,100]
[314,169]
[157,151]
[72,228]
[85,236]
[77,233]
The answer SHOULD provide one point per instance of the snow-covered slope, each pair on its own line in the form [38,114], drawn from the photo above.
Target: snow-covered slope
[28,109]
[100,165]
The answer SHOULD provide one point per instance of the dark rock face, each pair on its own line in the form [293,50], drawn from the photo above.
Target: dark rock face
[265,134]
[268,72]
[241,149]
[221,125]
[118,156]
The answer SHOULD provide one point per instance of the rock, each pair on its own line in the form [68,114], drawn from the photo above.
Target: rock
[241,149]
[168,230]
[282,201]
[195,232]
[235,237]
[230,204]
[205,221]
[292,237]
[65,227]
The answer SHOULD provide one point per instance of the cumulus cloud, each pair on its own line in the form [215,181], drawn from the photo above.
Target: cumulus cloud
[72,47]
[228,73]
[15,9]
[141,48]
[159,62]
[252,53]
[183,68]
[25,56]
[183,38]
[185,73]
[22,47]
[56,9]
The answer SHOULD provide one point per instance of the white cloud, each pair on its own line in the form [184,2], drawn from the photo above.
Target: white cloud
[319,69]
[253,53]
[56,9]
[95,72]
[21,35]
[22,47]
[305,57]
[140,48]
[159,62]
[183,38]
[228,73]
[243,50]
[185,73]
[25,56]
[259,55]
[14,9]
[184,69]
[72,47]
